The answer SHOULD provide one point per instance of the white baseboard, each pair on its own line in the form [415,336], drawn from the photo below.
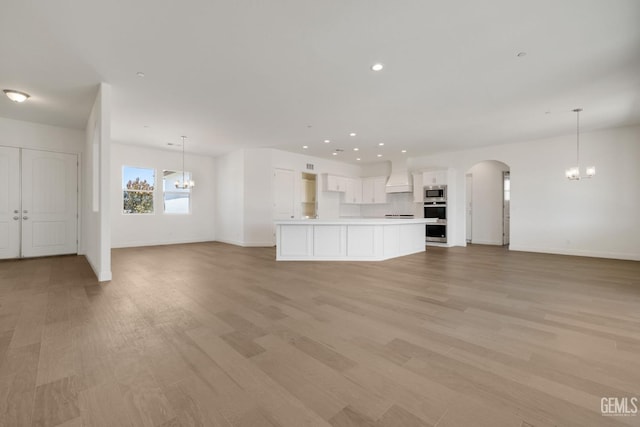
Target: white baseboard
[247,244]
[137,244]
[577,252]
[487,242]
[103,276]
[258,244]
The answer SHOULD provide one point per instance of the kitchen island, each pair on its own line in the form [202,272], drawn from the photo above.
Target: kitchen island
[350,239]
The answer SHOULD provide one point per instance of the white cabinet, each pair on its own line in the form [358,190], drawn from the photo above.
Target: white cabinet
[353,192]
[418,187]
[334,183]
[373,190]
[435,178]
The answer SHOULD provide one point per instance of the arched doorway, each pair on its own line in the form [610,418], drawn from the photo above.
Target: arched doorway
[488,195]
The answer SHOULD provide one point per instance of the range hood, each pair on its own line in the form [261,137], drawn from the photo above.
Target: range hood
[400,180]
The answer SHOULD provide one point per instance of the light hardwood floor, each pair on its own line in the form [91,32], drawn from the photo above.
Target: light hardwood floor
[211,334]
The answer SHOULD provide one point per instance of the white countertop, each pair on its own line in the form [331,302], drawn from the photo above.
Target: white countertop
[356,221]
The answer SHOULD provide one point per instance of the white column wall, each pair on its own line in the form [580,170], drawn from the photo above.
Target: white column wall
[96,222]
[229,198]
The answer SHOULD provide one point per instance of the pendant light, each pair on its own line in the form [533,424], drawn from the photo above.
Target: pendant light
[184,184]
[574,173]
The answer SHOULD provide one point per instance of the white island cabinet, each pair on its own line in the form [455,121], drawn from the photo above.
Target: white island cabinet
[349,239]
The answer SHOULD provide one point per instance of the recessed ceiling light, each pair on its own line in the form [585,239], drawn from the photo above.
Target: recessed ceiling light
[335,154]
[356,149]
[16,96]
[326,141]
[377,67]
[521,54]
[381,144]
[140,74]
[379,155]
[352,134]
[404,151]
[358,158]
[305,146]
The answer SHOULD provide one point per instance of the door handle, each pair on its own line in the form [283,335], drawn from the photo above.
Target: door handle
[25,217]
[25,211]
[15,218]
[16,211]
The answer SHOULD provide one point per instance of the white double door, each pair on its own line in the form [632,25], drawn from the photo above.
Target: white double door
[38,203]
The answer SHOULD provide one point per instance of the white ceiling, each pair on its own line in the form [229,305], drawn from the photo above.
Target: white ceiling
[287,73]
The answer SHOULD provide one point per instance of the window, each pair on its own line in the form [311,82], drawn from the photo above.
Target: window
[137,190]
[176,200]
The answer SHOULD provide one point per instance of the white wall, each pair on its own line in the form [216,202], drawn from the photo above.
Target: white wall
[229,198]
[16,133]
[160,228]
[596,217]
[488,195]
[96,223]
[244,192]
[258,198]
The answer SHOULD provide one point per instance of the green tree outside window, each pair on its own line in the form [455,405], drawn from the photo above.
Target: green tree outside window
[137,193]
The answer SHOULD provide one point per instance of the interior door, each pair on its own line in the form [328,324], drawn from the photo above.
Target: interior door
[49,203]
[9,202]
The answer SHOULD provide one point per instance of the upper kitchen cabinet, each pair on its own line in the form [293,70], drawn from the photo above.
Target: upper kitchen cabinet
[434,178]
[353,191]
[334,183]
[373,190]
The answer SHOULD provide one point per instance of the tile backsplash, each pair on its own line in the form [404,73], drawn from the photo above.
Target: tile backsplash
[397,203]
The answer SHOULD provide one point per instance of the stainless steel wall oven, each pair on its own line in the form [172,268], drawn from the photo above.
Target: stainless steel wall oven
[436,232]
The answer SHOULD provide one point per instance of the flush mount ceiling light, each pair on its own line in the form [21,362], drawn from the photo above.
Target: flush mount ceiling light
[352,134]
[184,184]
[358,158]
[379,155]
[381,144]
[16,95]
[377,67]
[326,141]
[574,173]
[305,146]
[356,149]
[404,151]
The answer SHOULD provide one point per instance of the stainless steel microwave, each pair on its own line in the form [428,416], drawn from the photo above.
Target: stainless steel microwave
[435,193]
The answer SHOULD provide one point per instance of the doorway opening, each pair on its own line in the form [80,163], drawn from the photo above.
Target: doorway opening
[487,203]
[309,195]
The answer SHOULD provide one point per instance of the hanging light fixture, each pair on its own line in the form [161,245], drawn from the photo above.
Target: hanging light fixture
[184,184]
[574,172]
